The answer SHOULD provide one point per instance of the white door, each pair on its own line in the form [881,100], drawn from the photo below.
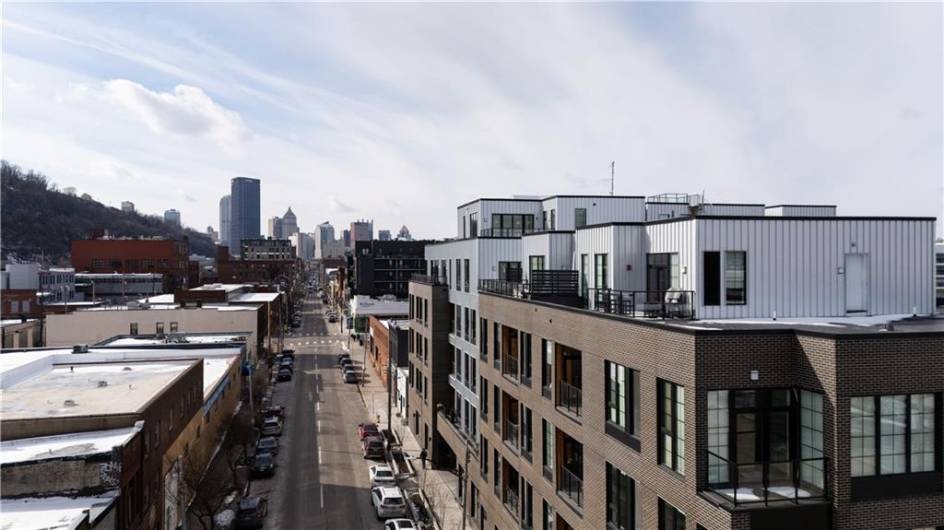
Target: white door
[857,283]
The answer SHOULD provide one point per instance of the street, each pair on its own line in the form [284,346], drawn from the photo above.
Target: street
[321,480]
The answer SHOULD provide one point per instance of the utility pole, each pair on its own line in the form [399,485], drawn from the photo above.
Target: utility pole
[612,178]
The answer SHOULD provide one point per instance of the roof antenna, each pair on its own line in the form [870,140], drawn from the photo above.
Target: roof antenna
[612,177]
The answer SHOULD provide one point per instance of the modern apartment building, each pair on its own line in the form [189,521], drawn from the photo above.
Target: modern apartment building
[939,275]
[244,211]
[385,267]
[629,363]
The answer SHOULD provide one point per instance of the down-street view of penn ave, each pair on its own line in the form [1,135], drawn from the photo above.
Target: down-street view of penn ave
[472,266]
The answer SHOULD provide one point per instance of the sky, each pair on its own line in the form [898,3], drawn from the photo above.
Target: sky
[400,113]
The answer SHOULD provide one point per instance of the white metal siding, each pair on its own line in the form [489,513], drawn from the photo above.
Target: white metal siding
[800,211]
[738,210]
[793,266]
[521,206]
[464,212]
[629,248]
[679,238]
[599,210]
[557,249]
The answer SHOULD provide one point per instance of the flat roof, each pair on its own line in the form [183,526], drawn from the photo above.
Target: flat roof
[176,339]
[53,513]
[89,389]
[256,297]
[228,287]
[79,444]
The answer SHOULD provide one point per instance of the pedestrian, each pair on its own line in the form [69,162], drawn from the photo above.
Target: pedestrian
[423,457]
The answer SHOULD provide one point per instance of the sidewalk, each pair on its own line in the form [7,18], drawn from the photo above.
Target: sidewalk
[440,486]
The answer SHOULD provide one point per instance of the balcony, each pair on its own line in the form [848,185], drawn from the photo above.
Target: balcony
[429,279]
[766,483]
[510,434]
[506,232]
[569,397]
[509,366]
[570,486]
[554,286]
[671,304]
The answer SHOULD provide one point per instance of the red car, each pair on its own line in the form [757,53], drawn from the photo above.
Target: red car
[365,430]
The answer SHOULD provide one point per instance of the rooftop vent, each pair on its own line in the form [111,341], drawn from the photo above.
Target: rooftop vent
[126,369]
[80,348]
[70,403]
[102,383]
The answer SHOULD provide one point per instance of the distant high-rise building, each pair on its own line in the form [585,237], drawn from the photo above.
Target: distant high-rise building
[404,234]
[127,206]
[384,235]
[362,230]
[346,237]
[225,219]
[289,223]
[325,232]
[276,230]
[172,216]
[244,211]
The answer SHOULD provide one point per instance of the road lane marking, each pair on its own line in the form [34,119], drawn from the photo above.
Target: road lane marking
[321,488]
[319,455]
[319,425]
[318,406]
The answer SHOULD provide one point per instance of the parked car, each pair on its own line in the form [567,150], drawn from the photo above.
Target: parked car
[288,353]
[251,512]
[346,361]
[381,475]
[272,427]
[342,356]
[388,502]
[285,374]
[350,377]
[287,362]
[373,448]
[399,524]
[263,465]
[367,429]
[267,444]
[274,411]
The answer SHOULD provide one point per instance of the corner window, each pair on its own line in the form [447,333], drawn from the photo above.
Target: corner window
[735,277]
[672,426]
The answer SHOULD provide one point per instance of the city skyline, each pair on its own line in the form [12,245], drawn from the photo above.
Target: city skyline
[760,122]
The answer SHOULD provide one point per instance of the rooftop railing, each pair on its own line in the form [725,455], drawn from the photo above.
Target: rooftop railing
[507,232]
[428,279]
[643,304]
[753,483]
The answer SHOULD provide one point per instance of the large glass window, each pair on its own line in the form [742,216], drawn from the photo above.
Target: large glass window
[811,438]
[662,273]
[880,429]
[622,398]
[718,432]
[670,517]
[599,277]
[735,277]
[672,426]
[620,499]
[535,263]
[525,361]
[547,452]
[511,225]
[547,367]
[465,265]
[474,224]
[509,271]
[580,217]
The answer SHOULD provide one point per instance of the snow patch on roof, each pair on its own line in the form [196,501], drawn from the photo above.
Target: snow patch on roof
[65,445]
[51,513]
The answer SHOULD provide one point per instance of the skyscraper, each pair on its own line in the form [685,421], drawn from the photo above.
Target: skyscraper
[276,228]
[225,219]
[325,232]
[384,235]
[172,216]
[244,211]
[289,223]
[361,230]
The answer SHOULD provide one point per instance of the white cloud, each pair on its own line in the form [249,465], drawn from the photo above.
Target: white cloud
[337,206]
[188,111]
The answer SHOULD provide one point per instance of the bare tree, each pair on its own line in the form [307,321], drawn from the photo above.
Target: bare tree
[208,491]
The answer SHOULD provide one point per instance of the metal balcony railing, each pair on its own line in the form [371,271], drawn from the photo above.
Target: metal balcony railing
[643,304]
[430,279]
[543,284]
[509,366]
[506,232]
[569,397]
[510,434]
[569,484]
[795,480]
[511,501]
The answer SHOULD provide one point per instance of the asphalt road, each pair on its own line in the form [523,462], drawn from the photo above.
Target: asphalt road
[321,480]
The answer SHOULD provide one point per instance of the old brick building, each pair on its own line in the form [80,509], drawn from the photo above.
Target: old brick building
[135,255]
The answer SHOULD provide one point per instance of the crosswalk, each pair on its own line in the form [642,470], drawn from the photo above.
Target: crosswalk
[313,342]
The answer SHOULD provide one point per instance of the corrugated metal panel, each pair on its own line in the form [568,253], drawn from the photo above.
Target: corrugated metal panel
[591,241]
[599,210]
[629,258]
[656,211]
[677,238]
[809,210]
[796,267]
[463,213]
[739,210]
[557,249]
[490,252]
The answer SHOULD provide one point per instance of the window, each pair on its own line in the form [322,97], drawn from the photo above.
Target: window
[553,219]
[511,225]
[735,277]
[535,263]
[509,271]
[465,265]
[881,427]
[473,318]
[496,348]
[584,275]
[465,321]
[483,344]
[718,432]
[474,224]
[483,443]
[483,397]
[465,232]
[672,426]
[547,516]
[173,327]
[670,518]
[526,442]
[621,387]
[458,328]
[599,274]
[620,499]
[458,274]
[580,217]
[527,511]
[525,358]
[711,269]
[662,273]
[547,367]
[811,438]
[547,453]
[134,328]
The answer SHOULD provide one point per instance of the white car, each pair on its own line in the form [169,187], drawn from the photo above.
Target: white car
[382,475]
[388,502]
[399,524]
